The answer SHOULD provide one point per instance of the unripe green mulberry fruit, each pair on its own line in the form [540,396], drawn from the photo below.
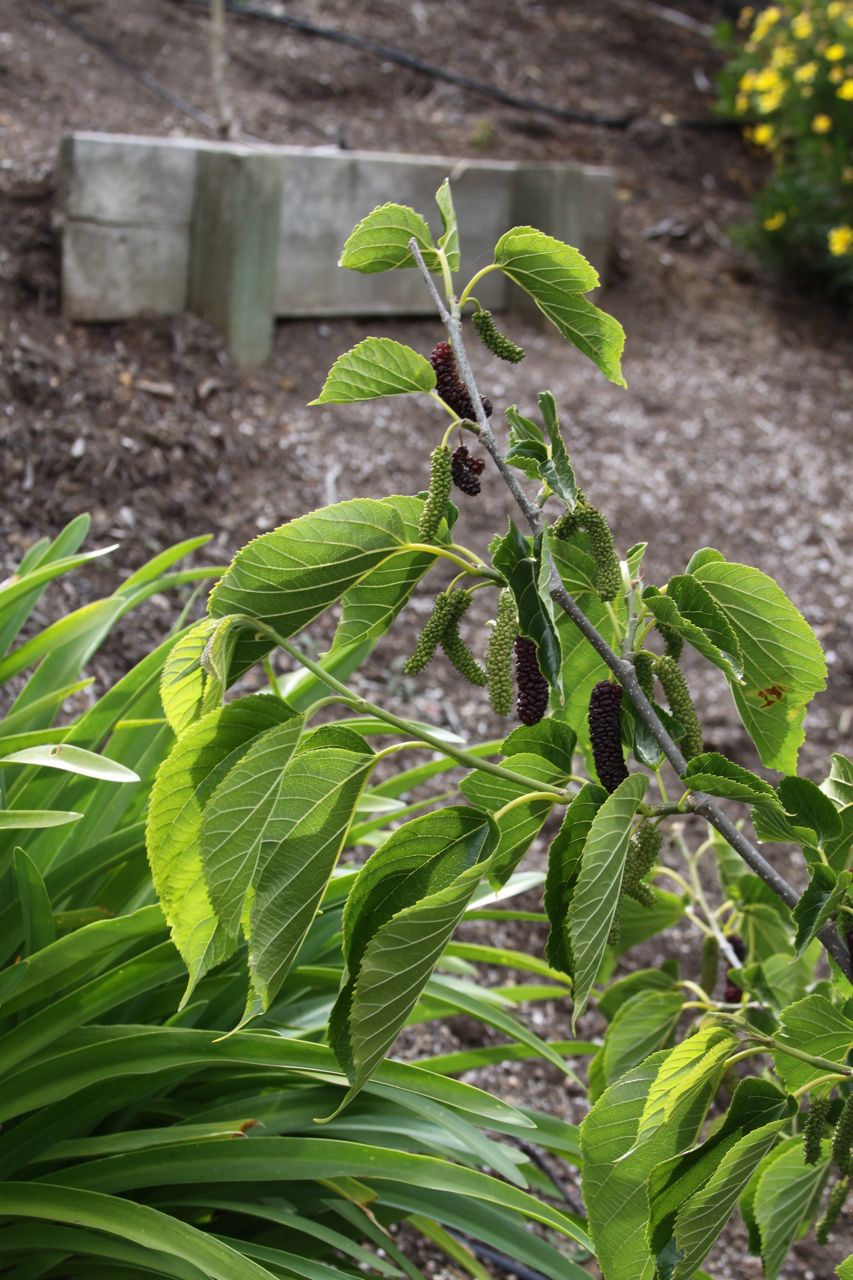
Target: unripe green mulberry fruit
[842,1138]
[430,636]
[615,931]
[455,648]
[498,343]
[644,671]
[832,1213]
[710,964]
[435,506]
[533,689]
[642,855]
[813,1129]
[674,686]
[605,734]
[608,575]
[674,639]
[499,654]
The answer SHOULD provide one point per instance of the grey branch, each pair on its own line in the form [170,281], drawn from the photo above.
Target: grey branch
[622,668]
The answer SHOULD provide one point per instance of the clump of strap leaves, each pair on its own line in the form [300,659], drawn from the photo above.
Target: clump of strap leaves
[707,1076]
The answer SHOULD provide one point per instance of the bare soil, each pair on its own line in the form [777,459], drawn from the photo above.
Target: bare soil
[734,432]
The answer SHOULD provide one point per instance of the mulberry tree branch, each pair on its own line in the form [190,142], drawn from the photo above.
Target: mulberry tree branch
[622,668]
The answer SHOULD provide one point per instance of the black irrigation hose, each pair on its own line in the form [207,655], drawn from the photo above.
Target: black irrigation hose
[179,104]
[386,54]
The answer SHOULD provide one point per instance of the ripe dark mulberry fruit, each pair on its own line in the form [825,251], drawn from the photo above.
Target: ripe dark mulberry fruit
[499,654]
[435,506]
[680,702]
[466,471]
[842,1138]
[498,343]
[533,690]
[605,734]
[834,1205]
[430,637]
[450,386]
[813,1129]
[455,648]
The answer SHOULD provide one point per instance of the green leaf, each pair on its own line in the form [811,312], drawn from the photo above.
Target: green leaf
[703,1217]
[550,738]
[817,1024]
[596,897]
[644,1024]
[184,784]
[319,794]
[183,680]
[808,806]
[755,1103]
[527,448]
[520,826]
[715,774]
[685,1073]
[129,1221]
[564,864]
[72,760]
[36,909]
[556,277]
[449,242]
[369,607]
[689,609]
[620,991]
[638,923]
[557,472]
[380,242]
[28,819]
[839,785]
[839,849]
[783,664]
[786,1197]
[374,368]
[825,893]
[244,819]
[615,1170]
[405,902]
[290,576]
[518,559]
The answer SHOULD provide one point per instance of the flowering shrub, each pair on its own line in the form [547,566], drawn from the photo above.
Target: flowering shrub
[791,82]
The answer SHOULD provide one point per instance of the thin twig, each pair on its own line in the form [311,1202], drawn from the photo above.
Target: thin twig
[622,668]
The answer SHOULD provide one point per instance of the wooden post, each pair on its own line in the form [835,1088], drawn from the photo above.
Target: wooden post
[235,239]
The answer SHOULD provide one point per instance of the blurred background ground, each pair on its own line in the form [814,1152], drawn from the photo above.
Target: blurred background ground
[734,432]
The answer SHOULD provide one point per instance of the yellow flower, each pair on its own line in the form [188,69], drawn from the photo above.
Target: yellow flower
[775,221]
[840,240]
[806,73]
[765,20]
[747,82]
[745,16]
[801,26]
[783,56]
[836,75]
[822,123]
[763,135]
[770,101]
[766,79]
[845,92]
[835,52]
[741,104]
[834,9]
